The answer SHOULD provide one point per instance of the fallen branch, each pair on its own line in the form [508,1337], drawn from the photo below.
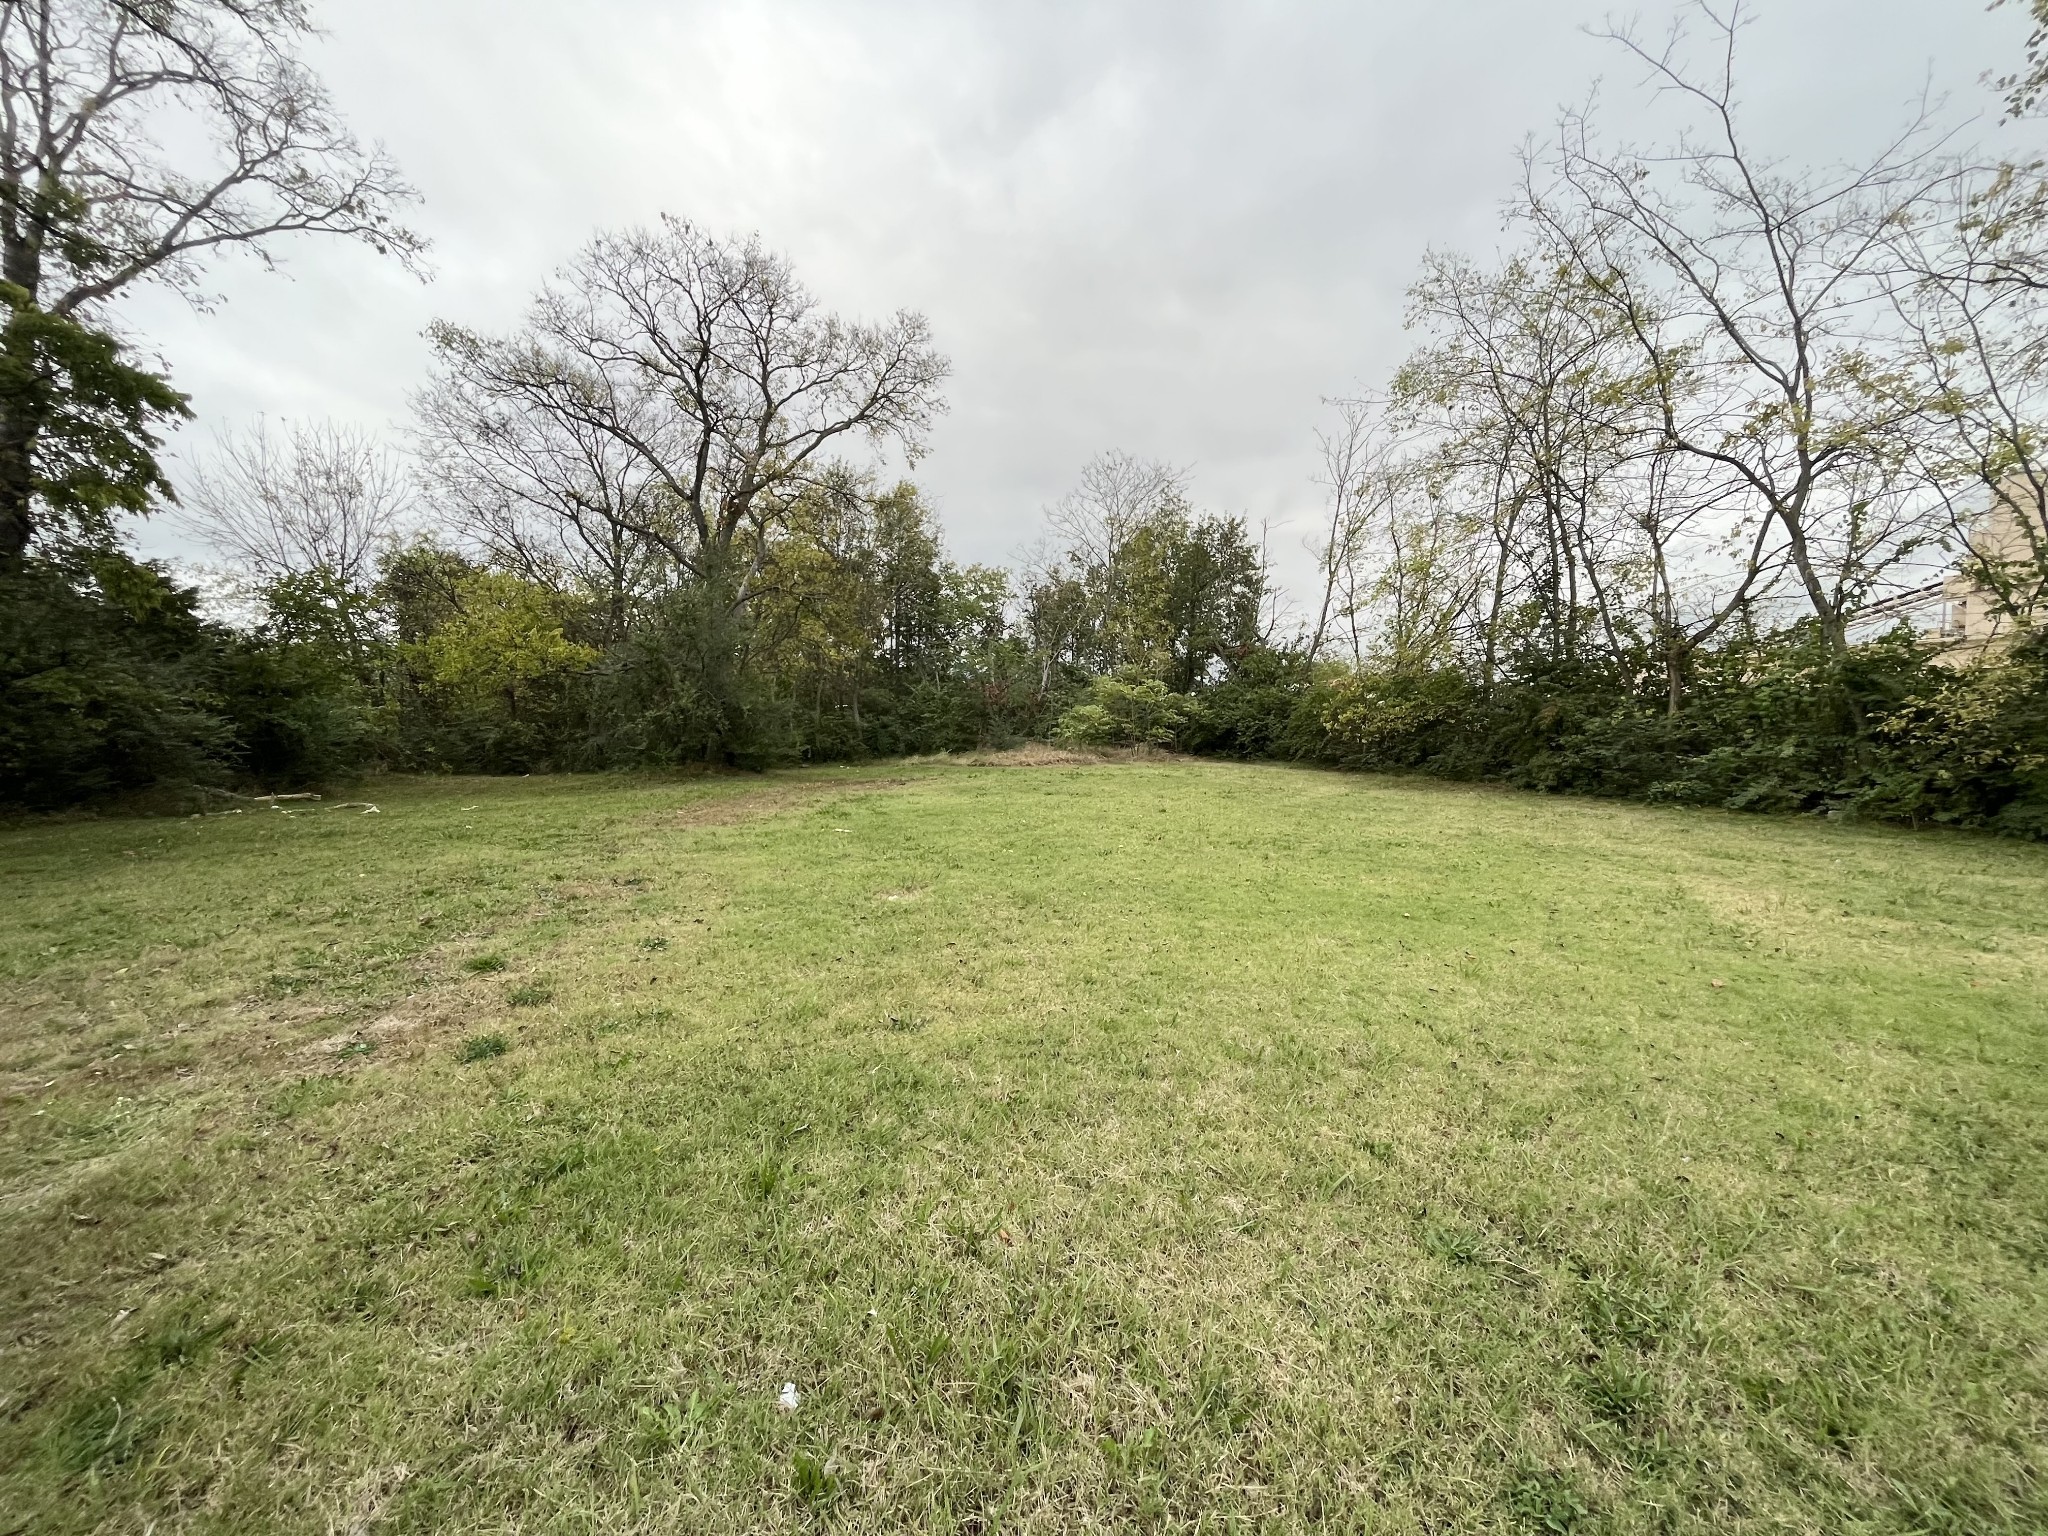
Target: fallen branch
[229,794]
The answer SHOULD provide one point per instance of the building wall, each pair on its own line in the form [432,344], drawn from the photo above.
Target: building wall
[1973,620]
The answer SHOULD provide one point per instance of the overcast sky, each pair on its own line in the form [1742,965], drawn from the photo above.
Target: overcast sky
[1168,226]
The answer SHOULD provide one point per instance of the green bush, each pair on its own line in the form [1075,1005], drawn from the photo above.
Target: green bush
[111,681]
[1770,723]
[1401,719]
[1269,704]
[106,682]
[1972,750]
[1125,712]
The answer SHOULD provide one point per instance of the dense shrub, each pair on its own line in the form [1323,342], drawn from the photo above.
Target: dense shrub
[1270,703]
[1771,723]
[111,681]
[1126,711]
[105,683]
[1972,750]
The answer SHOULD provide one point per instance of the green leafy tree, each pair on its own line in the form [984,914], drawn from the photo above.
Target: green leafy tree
[105,681]
[1144,582]
[867,629]
[503,648]
[98,418]
[1197,586]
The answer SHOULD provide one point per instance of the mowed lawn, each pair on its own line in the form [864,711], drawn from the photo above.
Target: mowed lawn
[1169,1146]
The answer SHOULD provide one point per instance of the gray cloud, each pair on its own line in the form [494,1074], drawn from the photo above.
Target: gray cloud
[1171,226]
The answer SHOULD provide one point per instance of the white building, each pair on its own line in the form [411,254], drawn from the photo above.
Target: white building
[1959,610]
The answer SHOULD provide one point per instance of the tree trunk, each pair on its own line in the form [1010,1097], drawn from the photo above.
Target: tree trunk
[615,617]
[1827,613]
[21,266]
[19,425]
[17,483]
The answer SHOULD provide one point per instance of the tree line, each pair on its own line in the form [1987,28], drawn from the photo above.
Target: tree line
[1616,526]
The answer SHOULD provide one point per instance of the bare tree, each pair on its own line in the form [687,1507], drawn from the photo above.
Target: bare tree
[1115,496]
[1347,449]
[91,202]
[680,389]
[319,497]
[1755,295]
[555,496]
[1975,312]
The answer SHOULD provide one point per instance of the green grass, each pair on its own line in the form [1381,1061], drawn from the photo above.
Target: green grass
[482,1048]
[1176,1146]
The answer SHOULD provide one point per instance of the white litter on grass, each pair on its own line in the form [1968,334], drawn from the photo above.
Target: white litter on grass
[787,1398]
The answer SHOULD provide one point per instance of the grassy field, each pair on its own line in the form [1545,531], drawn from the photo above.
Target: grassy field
[1150,1146]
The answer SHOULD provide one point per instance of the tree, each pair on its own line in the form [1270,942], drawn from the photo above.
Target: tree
[1530,389]
[1350,453]
[1197,588]
[1975,314]
[97,425]
[107,680]
[90,204]
[305,518]
[557,496]
[1435,583]
[505,640]
[320,496]
[1401,562]
[1754,295]
[680,390]
[824,606]
[856,605]
[1546,399]
[1143,582]
[1079,602]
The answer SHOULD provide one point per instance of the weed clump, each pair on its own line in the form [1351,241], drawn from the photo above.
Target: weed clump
[1546,1503]
[482,1048]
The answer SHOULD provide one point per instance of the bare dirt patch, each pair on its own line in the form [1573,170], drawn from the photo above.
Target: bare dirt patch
[1033,754]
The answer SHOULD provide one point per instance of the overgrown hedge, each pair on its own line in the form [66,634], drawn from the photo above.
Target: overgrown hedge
[111,681]
[1769,724]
